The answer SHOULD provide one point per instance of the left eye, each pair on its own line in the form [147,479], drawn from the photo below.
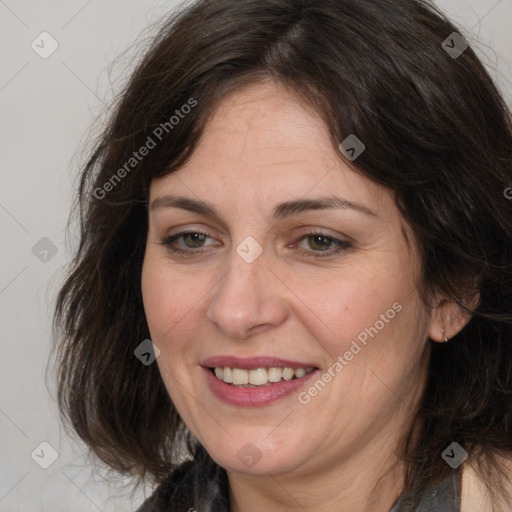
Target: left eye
[320,242]
[323,245]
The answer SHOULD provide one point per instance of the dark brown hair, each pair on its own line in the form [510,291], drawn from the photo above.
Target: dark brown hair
[436,131]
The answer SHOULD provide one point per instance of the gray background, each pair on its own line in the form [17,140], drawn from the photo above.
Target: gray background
[49,108]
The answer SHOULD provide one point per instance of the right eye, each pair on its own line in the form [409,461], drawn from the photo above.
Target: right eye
[191,239]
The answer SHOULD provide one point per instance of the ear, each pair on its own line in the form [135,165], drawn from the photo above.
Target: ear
[449,318]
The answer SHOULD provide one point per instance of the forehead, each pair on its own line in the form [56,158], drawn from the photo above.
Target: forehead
[262,142]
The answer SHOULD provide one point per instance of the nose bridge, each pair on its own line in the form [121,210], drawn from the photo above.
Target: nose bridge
[244,297]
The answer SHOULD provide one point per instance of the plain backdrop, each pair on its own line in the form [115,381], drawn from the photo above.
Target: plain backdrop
[48,106]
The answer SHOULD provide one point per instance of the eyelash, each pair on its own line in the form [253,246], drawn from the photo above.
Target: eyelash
[342,244]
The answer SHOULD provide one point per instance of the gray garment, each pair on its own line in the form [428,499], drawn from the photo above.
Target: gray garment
[441,497]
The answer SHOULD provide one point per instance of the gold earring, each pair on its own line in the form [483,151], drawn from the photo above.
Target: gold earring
[445,339]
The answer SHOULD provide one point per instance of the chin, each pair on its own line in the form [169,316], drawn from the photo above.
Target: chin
[257,458]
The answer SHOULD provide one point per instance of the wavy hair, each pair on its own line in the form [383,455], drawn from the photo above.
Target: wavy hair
[437,132]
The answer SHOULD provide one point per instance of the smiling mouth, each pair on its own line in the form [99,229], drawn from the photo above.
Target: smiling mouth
[258,377]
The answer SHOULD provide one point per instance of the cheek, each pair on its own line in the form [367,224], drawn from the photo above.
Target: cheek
[169,299]
[342,304]
[371,316]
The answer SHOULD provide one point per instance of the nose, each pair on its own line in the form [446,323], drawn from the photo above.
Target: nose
[249,299]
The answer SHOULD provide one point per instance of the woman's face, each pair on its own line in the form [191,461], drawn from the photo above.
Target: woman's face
[267,281]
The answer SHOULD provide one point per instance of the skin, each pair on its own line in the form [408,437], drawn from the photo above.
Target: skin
[262,147]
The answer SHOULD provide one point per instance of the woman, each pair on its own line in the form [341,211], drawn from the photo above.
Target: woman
[295,266]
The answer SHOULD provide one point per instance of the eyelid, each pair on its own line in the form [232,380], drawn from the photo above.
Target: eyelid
[166,239]
[303,232]
[340,244]
[312,230]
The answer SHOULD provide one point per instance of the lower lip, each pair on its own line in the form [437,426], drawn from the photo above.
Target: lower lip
[257,396]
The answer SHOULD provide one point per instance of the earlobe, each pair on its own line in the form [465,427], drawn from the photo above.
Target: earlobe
[449,318]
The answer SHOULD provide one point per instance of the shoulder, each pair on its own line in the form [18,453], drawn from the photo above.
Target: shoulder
[475,496]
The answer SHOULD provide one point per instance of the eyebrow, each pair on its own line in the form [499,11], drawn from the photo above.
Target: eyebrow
[279,212]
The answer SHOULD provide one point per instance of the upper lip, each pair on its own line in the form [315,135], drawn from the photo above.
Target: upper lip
[251,363]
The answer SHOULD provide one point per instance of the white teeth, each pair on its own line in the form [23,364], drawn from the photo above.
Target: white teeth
[300,372]
[288,373]
[258,376]
[227,375]
[274,374]
[240,376]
